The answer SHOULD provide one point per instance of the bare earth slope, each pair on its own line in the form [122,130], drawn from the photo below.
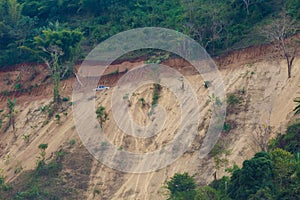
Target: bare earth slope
[266,96]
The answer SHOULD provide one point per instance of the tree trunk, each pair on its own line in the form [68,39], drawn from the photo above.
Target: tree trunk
[289,70]
[56,95]
[56,82]
[289,62]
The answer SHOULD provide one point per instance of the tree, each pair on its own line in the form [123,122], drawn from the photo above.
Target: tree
[102,115]
[261,135]
[247,4]
[181,186]
[256,174]
[284,167]
[264,193]
[297,108]
[207,193]
[11,111]
[41,159]
[290,141]
[278,31]
[210,23]
[58,48]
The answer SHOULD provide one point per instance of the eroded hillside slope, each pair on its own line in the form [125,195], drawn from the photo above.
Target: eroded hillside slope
[263,95]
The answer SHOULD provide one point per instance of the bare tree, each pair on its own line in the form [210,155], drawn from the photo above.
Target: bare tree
[261,136]
[278,32]
[262,133]
[209,25]
[11,113]
[247,4]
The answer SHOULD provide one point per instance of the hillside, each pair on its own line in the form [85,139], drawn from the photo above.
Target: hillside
[219,26]
[264,93]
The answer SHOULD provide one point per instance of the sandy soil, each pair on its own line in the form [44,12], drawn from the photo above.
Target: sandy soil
[268,97]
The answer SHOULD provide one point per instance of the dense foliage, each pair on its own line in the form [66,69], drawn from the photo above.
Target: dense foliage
[268,175]
[219,26]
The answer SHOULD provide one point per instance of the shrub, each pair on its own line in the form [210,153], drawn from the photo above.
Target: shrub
[206,84]
[6,93]
[227,127]
[155,95]
[72,142]
[57,117]
[102,115]
[232,99]
[18,86]
[290,141]
[142,100]
[103,145]
[66,99]
[26,138]
[50,111]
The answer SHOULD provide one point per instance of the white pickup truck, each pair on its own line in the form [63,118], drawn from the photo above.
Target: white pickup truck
[101,87]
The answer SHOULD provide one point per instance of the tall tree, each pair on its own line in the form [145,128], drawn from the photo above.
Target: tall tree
[11,112]
[284,166]
[256,173]
[102,115]
[59,49]
[181,186]
[278,31]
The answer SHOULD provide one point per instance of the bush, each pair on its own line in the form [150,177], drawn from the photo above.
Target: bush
[57,117]
[232,99]
[72,142]
[206,84]
[155,95]
[290,141]
[227,127]
[65,99]
[142,100]
[6,93]
[181,186]
[18,86]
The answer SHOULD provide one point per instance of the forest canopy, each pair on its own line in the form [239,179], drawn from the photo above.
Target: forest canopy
[219,26]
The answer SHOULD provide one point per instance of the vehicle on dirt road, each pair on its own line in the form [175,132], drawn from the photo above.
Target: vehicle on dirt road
[101,87]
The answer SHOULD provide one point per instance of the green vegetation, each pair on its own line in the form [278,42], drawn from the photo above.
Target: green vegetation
[232,99]
[206,84]
[66,99]
[44,182]
[102,115]
[57,117]
[219,26]
[41,158]
[11,112]
[268,175]
[58,48]
[290,141]
[72,142]
[181,186]
[227,127]
[60,33]
[143,102]
[26,138]
[156,92]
